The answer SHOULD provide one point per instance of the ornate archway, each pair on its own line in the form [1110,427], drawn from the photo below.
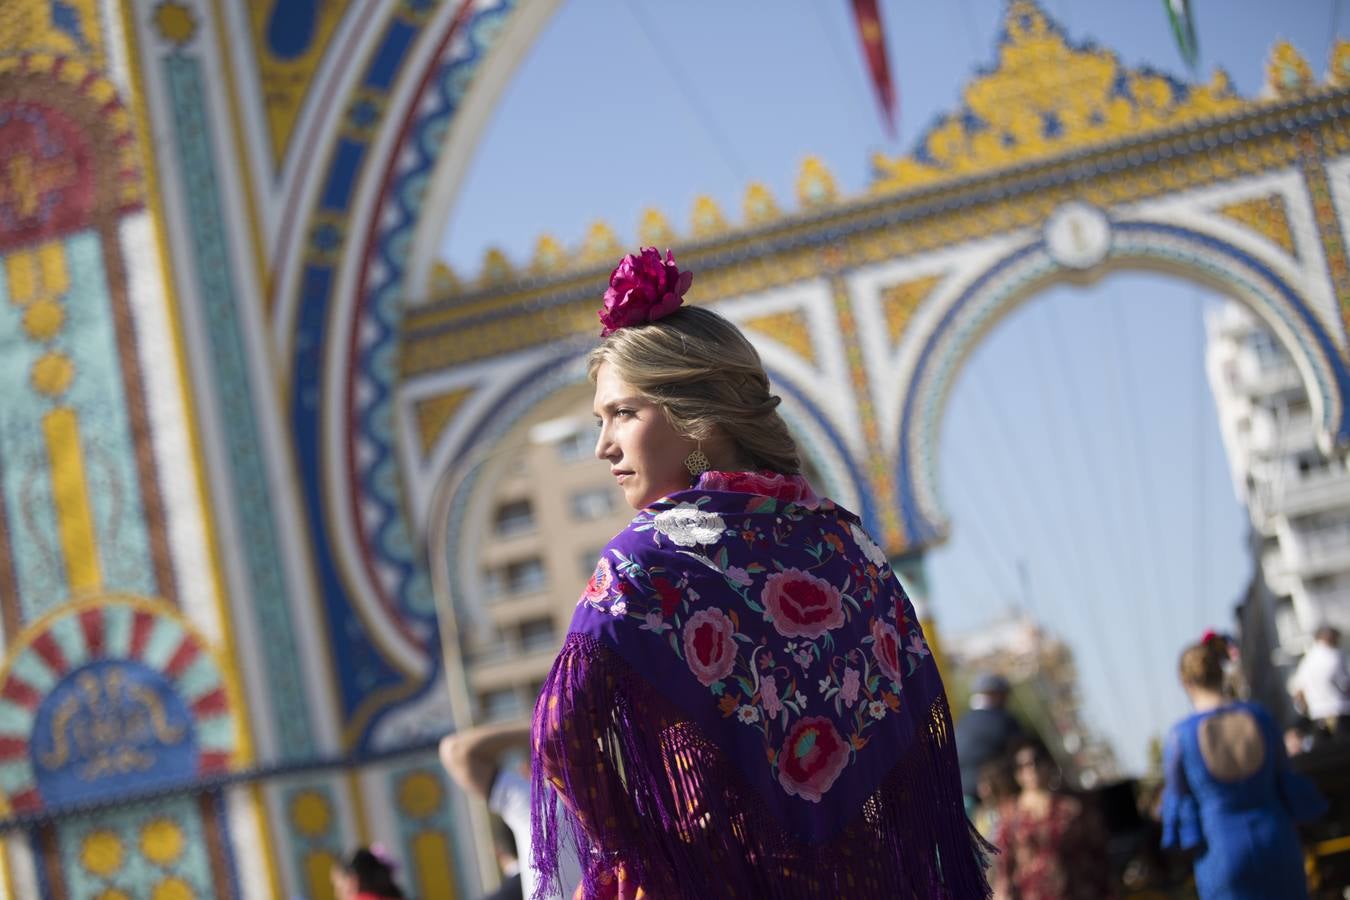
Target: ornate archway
[310,378]
[877,301]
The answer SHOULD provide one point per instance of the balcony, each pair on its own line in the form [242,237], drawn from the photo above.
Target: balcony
[1328,605]
[1270,438]
[1317,490]
[509,612]
[519,670]
[1269,381]
[1323,552]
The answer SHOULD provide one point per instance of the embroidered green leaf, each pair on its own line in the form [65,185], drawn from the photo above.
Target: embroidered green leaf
[762,505]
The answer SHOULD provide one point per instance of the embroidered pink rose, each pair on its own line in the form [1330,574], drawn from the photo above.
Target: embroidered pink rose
[601,581]
[849,690]
[886,649]
[709,645]
[768,696]
[643,288]
[813,755]
[802,605]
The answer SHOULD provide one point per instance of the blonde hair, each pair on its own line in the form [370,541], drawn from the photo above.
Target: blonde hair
[707,378]
[1202,664]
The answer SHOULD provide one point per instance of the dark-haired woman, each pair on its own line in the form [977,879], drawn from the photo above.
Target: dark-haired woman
[368,874]
[1231,798]
[1052,846]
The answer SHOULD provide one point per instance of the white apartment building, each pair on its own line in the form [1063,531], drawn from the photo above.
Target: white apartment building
[1298,496]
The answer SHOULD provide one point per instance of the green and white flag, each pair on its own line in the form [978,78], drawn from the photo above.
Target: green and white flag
[1183,26]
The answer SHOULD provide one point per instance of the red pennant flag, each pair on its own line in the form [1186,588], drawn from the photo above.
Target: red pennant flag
[873,37]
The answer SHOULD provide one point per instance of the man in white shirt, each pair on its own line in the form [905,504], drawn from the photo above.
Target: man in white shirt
[1321,684]
[475,760]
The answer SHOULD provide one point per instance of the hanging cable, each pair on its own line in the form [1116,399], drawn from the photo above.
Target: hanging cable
[1335,26]
[1018,457]
[1145,496]
[691,99]
[1200,540]
[974,528]
[984,548]
[969,19]
[1097,477]
[1074,521]
[859,113]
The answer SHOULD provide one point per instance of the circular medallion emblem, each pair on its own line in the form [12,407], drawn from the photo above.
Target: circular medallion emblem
[1077,235]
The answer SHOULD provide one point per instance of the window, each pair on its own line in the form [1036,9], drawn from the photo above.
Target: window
[536,634]
[500,705]
[1269,353]
[491,647]
[592,503]
[525,576]
[515,517]
[576,446]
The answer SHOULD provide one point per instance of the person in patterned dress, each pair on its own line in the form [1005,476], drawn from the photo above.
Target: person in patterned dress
[1052,846]
[744,704]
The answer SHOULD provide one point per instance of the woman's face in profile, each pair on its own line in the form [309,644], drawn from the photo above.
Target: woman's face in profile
[644,452]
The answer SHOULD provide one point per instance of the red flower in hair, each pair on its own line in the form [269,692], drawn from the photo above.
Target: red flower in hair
[643,288]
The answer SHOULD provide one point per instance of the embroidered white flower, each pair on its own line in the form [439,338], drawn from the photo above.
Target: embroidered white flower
[876,709]
[654,621]
[618,608]
[875,555]
[747,714]
[689,526]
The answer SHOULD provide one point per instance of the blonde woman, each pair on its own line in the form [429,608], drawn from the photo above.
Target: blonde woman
[744,705]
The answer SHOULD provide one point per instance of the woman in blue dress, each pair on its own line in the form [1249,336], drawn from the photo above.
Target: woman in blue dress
[1231,798]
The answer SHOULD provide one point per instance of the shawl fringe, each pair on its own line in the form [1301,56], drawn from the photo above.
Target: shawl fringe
[656,799]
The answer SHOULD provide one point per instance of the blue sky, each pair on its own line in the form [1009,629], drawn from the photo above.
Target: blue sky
[1080,439]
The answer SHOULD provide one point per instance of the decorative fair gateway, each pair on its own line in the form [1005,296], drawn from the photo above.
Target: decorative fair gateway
[1062,165]
[241,393]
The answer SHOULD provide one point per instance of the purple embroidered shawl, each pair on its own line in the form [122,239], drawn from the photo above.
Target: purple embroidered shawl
[745,705]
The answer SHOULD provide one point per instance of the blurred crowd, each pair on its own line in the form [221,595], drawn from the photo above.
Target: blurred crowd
[1221,821]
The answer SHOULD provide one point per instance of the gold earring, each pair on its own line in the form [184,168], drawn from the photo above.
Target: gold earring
[697,462]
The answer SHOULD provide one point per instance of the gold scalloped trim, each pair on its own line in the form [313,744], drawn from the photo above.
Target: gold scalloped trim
[1287,72]
[1043,99]
[655,230]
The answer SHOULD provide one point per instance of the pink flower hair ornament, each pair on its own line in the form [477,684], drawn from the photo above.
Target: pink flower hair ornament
[643,288]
